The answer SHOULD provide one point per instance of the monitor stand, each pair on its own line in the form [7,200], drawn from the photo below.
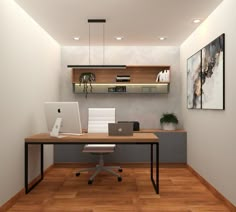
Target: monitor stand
[56,128]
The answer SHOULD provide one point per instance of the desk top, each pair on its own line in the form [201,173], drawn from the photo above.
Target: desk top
[93,138]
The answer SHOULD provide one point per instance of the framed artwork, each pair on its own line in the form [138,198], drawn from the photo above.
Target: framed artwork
[194,81]
[213,74]
[206,77]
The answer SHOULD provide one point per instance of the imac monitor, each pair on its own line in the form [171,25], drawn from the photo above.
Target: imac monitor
[63,117]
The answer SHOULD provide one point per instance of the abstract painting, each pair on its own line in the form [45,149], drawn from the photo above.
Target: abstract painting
[213,74]
[194,81]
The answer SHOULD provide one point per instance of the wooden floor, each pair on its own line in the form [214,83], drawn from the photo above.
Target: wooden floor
[180,191]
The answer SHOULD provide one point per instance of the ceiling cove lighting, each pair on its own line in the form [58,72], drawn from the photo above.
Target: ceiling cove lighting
[196,21]
[103,66]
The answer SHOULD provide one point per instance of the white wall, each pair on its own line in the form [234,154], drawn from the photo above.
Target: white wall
[145,108]
[30,68]
[211,134]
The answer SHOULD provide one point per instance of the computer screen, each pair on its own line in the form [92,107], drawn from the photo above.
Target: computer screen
[63,117]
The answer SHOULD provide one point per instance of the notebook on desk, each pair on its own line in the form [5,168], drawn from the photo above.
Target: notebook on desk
[120,129]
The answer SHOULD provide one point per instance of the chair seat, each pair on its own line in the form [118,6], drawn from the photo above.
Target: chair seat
[98,119]
[99,148]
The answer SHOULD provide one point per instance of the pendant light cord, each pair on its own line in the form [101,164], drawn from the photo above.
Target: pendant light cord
[89,44]
[103,33]
[103,38]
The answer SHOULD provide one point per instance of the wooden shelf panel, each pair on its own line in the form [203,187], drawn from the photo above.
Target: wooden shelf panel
[138,74]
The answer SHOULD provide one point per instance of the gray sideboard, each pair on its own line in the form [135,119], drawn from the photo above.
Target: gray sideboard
[173,149]
[173,146]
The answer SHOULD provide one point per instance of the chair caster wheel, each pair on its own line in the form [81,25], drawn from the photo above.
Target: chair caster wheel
[120,170]
[119,179]
[90,182]
[77,174]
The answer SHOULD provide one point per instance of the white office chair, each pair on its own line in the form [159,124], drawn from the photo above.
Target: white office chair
[98,119]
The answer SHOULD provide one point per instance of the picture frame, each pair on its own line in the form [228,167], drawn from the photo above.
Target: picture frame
[213,74]
[206,77]
[194,81]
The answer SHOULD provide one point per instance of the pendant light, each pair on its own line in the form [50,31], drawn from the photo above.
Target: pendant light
[103,66]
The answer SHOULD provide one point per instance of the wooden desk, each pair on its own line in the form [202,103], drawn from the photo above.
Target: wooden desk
[93,138]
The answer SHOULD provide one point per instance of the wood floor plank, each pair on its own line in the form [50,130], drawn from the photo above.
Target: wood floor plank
[61,190]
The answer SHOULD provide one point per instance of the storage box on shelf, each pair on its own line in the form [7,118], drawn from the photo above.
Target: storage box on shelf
[132,79]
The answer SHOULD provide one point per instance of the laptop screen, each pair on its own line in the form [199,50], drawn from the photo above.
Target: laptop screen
[120,129]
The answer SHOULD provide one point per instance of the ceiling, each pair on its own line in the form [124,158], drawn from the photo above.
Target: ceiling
[140,22]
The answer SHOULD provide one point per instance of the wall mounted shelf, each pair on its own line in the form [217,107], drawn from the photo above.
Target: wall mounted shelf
[136,79]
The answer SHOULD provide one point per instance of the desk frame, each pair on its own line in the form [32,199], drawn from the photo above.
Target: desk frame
[41,142]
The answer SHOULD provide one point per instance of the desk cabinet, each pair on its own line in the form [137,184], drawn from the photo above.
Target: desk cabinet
[172,149]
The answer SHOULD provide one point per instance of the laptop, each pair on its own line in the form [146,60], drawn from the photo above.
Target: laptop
[120,129]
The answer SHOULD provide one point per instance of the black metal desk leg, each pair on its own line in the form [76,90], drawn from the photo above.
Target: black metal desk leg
[42,160]
[26,168]
[155,184]
[27,189]
[151,165]
[157,168]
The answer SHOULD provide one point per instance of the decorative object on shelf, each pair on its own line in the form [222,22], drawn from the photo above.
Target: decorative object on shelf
[205,76]
[121,89]
[111,89]
[163,76]
[169,121]
[117,89]
[85,78]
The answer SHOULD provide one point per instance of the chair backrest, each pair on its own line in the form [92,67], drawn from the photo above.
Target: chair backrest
[98,119]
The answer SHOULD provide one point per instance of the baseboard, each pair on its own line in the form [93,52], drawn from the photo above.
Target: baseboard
[12,201]
[21,193]
[124,165]
[216,193]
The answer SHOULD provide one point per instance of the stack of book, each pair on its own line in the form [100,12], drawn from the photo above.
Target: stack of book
[122,78]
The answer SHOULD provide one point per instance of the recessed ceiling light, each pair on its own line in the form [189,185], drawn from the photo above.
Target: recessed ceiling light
[162,38]
[196,21]
[119,38]
[76,38]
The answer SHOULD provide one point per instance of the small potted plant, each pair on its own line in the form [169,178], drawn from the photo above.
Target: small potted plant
[169,121]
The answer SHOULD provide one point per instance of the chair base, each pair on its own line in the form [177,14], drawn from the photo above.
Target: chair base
[100,167]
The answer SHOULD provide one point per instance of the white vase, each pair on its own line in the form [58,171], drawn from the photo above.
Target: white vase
[169,126]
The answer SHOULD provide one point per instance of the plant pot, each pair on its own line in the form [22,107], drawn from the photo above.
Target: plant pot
[169,126]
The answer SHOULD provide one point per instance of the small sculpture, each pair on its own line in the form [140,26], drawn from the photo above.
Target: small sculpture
[163,76]
[85,78]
